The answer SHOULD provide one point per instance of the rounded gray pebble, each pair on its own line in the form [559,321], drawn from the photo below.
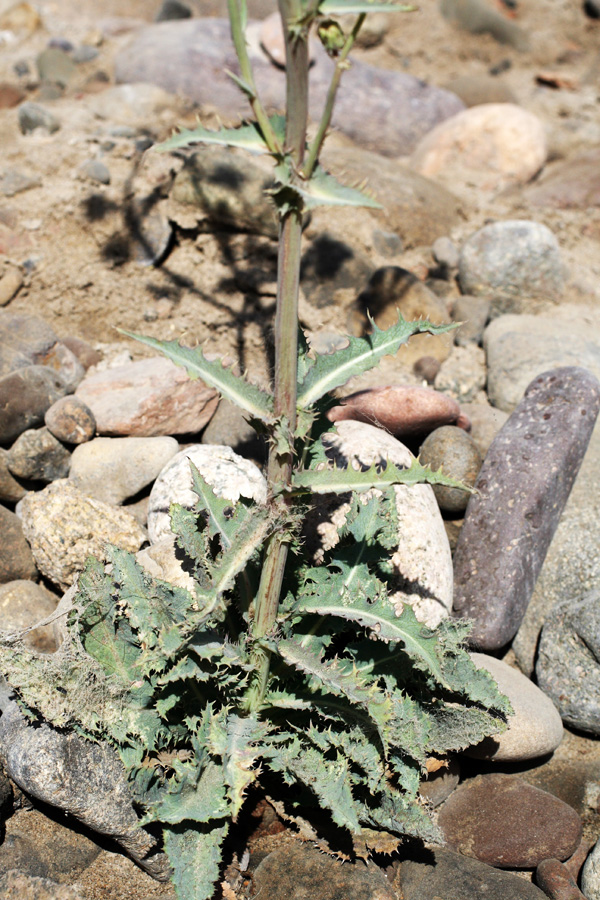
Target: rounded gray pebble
[456,452]
[37,455]
[514,261]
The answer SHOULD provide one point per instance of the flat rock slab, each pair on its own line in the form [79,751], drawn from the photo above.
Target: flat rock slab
[445,875]
[522,488]
[502,821]
[189,57]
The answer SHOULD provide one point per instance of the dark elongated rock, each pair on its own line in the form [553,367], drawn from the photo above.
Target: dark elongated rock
[25,395]
[190,57]
[522,488]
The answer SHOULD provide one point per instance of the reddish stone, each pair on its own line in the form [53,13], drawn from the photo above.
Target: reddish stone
[556,882]
[403,410]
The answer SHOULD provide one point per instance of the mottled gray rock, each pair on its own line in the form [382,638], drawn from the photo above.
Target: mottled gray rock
[33,115]
[71,420]
[147,398]
[37,455]
[190,58]
[590,875]
[568,663]
[84,779]
[422,561]
[23,604]
[229,475]
[299,870]
[522,488]
[64,527]
[520,347]
[25,396]
[507,823]
[534,730]
[515,262]
[225,188]
[114,469]
[442,874]
[455,452]
[16,559]
[96,171]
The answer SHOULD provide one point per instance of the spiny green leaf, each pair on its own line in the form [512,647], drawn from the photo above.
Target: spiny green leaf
[195,799]
[321,189]
[243,748]
[195,857]
[342,682]
[380,618]
[328,779]
[356,7]
[247,137]
[336,480]
[331,370]
[244,395]
[224,519]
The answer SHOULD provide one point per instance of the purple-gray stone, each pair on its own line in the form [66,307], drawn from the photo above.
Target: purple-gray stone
[522,488]
[190,56]
[25,397]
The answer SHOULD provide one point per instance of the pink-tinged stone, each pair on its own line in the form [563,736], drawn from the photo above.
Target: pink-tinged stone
[403,410]
[556,882]
[147,398]
[504,822]
[489,147]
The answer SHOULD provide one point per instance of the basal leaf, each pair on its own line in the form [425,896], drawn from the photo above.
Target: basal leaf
[336,480]
[328,779]
[247,137]
[380,618]
[243,749]
[340,681]
[195,857]
[331,370]
[192,800]
[246,396]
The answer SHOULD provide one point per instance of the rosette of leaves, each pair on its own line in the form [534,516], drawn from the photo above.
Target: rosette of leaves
[354,699]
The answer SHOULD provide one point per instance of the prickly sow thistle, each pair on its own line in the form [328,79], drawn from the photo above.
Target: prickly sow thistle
[272,670]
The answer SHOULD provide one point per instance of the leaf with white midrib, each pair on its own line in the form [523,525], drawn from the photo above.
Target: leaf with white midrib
[331,370]
[335,480]
[246,396]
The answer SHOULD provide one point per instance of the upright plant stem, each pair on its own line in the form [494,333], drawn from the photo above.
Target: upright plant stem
[279,472]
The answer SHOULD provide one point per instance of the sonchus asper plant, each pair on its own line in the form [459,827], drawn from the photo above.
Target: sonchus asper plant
[272,670]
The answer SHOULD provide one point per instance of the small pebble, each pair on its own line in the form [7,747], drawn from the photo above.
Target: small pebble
[473,314]
[84,53]
[445,253]
[25,396]
[70,420]
[23,604]
[32,116]
[426,367]
[11,490]
[10,284]
[95,170]
[37,455]
[55,66]
[455,452]
[554,879]
[10,95]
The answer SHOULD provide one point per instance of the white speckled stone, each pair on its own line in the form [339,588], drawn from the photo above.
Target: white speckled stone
[534,730]
[229,474]
[423,560]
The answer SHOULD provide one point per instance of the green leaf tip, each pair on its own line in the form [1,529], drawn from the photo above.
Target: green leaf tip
[256,402]
[246,137]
